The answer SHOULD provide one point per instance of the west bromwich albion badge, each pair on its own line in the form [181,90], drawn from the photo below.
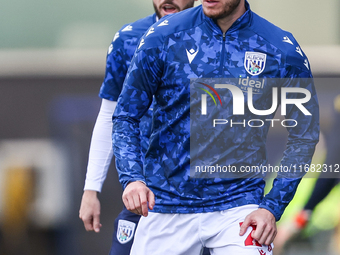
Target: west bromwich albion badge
[125,231]
[254,62]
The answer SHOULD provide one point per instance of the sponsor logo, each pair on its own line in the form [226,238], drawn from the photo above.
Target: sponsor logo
[254,62]
[287,40]
[125,231]
[256,84]
[164,23]
[141,43]
[298,50]
[151,30]
[127,28]
[191,54]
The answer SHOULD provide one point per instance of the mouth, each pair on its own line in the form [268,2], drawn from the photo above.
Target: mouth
[210,3]
[168,9]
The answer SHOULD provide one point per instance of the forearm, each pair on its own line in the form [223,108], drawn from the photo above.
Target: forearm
[298,152]
[101,152]
[127,149]
[280,196]
[289,177]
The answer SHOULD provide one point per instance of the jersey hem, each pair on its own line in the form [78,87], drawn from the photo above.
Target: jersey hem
[111,98]
[185,210]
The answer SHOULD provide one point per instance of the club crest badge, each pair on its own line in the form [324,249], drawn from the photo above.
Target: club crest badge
[125,231]
[254,62]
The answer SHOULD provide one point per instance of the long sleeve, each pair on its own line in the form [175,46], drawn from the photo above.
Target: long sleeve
[301,143]
[101,153]
[141,83]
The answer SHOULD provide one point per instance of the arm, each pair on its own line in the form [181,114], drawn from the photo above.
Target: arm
[99,160]
[302,140]
[139,87]
[301,143]
[101,153]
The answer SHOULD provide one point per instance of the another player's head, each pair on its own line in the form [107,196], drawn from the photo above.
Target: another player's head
[165,7]
[220,9]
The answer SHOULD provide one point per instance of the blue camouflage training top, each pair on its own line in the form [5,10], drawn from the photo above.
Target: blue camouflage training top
[118,60]
[190,45]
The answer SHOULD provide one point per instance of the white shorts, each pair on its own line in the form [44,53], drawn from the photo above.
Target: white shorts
[187,234]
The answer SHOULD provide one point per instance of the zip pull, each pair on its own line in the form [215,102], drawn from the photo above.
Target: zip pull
[224,37]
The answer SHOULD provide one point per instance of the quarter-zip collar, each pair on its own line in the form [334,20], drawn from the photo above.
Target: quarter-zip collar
[155,18]
[240,23]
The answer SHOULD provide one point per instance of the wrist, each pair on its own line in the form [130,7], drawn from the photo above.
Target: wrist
[135,182]
[142,182]
[90,193]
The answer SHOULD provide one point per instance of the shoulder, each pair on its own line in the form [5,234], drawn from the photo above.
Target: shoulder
[138,27]
[180,21]
[134,30]
[282,40]
[169,25]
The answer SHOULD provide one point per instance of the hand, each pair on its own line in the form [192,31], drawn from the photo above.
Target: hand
[137,197]
[90,211]
[265,223]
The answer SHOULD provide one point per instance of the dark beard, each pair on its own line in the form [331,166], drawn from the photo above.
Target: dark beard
[229,9]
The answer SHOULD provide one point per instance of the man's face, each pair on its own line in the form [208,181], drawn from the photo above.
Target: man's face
[218,9]
[165,7]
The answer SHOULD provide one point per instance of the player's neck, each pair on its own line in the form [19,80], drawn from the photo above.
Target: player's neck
[226,22]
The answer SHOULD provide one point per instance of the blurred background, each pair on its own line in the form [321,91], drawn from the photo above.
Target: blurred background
[52,62]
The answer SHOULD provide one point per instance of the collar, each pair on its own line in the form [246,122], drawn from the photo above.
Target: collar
[240,23]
